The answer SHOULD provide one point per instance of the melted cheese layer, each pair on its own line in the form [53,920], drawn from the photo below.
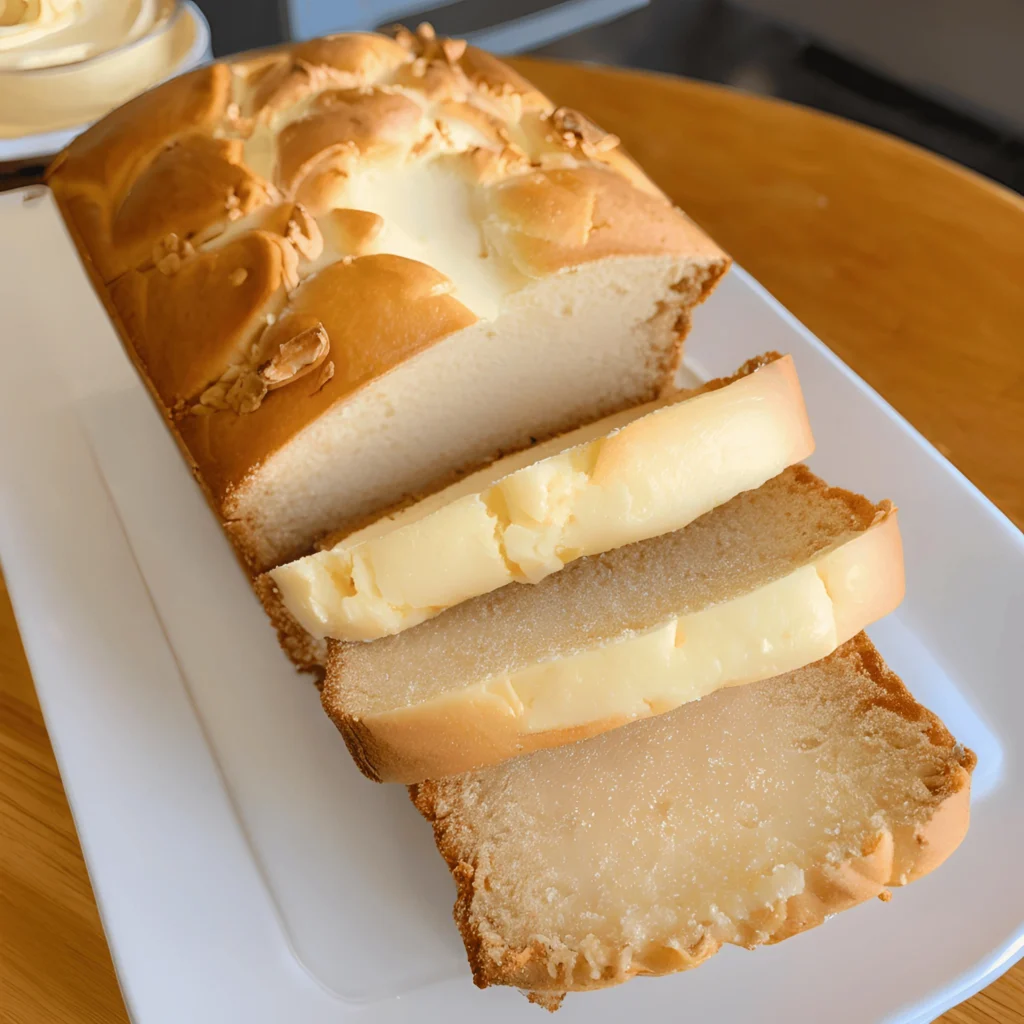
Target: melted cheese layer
[625,479]
[777,628]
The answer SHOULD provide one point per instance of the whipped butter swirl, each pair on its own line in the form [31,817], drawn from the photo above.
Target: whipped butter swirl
[52,33]
[24,21]
[64,62]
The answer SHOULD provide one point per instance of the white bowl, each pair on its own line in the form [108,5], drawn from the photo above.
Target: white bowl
[42,145]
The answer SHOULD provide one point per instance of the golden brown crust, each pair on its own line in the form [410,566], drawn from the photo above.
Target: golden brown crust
[184,340]
[185,189]
[407,749]
[366,297]
[497,79]
[93,176]
[884,563]
[890,858]
[153,192]
[559,218]
[307,653]
[364,55]
[344,127]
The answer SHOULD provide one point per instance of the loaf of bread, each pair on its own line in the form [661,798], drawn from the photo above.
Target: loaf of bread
[744,818]
[772,580]
[640,473]
[352,269]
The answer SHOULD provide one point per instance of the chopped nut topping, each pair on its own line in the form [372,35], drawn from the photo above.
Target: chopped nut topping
[426,143]
[554,161]
[169,252]
[490,166]
[453,49]
[289,347]
[574,128]
[303,233]
[295,357]
[213,397]
[169,265]
[325,374]
[246,394]
[443,132]
[233,205]
[160,249]
[236,125]
[425,46]
[350,232]
[290,267]
[402,36]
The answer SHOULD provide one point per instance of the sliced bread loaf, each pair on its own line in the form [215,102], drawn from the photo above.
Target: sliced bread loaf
[353,268]
[744,818]
[774,579]
[644,472]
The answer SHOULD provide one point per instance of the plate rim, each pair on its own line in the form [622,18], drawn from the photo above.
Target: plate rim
[972,979]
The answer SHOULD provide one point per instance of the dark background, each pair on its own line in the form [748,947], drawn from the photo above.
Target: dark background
[716,41]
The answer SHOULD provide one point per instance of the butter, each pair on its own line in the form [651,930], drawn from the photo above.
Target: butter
[24,22]
[621,480]
[53,33]
[67,62]
[777,628]
[429,215]
[469,559]
[854,572]
[422,189]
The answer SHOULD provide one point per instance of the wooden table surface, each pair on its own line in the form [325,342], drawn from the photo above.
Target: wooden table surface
[910,268]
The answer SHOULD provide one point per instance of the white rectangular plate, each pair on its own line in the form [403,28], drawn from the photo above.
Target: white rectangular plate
[245,871]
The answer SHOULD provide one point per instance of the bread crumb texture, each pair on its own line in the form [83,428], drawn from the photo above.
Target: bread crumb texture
[744,818]
[257,221]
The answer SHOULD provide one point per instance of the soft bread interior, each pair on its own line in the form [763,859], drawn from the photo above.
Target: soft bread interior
[356,268]
[743,818]
[768,582]
[625,478]
[780,626]
[565,350]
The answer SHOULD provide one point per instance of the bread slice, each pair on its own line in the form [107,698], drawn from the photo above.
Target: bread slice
[354,268]
[626,478]
[772,580]
[744,818]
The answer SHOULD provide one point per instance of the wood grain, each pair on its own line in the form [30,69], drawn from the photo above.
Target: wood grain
[55,966]
[909,267]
